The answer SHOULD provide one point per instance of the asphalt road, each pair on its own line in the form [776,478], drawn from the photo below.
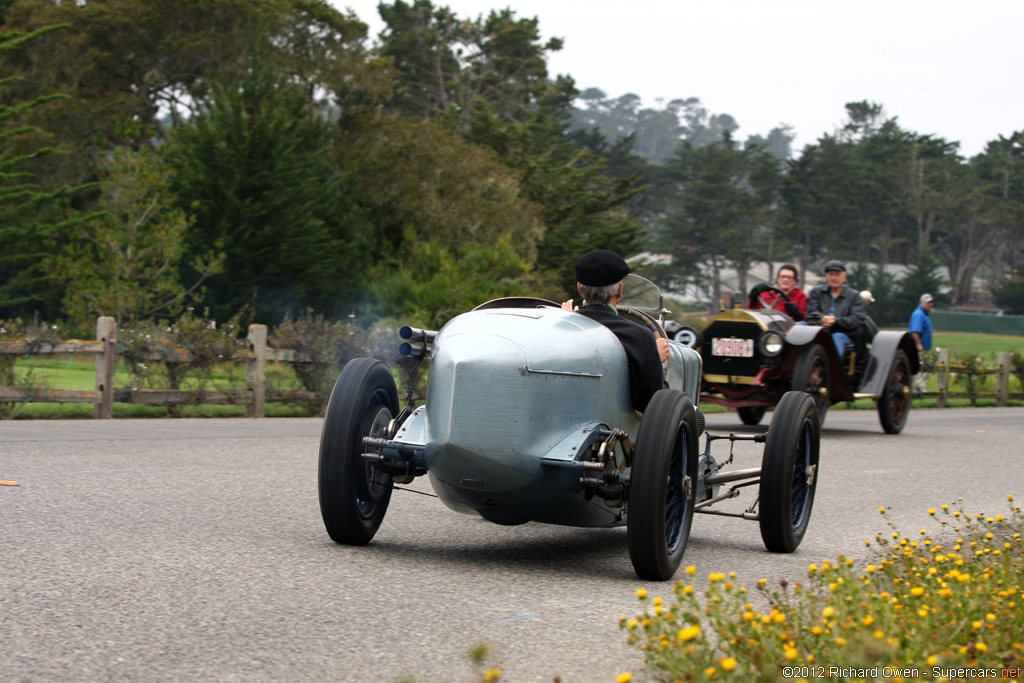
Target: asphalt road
[192,550]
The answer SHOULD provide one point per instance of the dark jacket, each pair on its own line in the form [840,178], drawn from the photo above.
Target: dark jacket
[850,311]
[646,375]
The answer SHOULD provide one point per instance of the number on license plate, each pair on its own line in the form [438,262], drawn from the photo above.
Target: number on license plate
[743,348]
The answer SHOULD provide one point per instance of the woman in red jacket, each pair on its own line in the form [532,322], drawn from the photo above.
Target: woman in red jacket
[796,307]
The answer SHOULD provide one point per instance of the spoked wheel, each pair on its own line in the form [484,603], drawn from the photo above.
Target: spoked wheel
[663,480]
[789,471]
[811,376]
[894,403]
[354,495]
[751,415]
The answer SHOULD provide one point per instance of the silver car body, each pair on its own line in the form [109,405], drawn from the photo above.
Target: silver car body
[515,400]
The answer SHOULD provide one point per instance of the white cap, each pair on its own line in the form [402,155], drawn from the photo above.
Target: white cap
[867,296]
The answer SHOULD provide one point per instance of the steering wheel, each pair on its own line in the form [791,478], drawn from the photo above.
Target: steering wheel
[765,288]
[648,321]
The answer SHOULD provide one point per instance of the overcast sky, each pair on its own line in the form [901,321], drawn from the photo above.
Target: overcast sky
[950,68]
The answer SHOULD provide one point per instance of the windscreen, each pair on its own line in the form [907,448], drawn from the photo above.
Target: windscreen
[641,294]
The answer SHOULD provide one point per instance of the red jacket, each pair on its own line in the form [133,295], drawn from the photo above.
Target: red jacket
[775,301]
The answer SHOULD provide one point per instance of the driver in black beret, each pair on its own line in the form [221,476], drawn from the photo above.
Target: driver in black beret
[599,276]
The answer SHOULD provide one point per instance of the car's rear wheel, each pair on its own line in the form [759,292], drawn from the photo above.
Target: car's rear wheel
[894,403]
[811,376]
[662,481]
[789,469]
[751,415]
[354,495]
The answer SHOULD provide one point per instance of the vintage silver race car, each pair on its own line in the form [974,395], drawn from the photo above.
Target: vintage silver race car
[528,418]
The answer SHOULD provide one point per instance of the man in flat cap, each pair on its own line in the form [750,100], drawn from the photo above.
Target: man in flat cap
[836,306]
[599,276]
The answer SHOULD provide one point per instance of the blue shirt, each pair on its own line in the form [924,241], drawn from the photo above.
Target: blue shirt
[921,323]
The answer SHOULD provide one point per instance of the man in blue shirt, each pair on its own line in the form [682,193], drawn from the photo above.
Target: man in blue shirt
[921,323]
[921,328]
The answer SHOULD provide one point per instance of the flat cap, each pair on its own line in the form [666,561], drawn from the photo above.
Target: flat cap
[600,268]
[925,298]
[835,265]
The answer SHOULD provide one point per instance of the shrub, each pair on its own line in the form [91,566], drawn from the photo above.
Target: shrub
[36,335]
[948,602]
[149,348]
[329,344]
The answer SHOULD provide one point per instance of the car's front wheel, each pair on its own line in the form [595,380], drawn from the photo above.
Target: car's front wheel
[354,495]
[662,484]
[789,470]
[751,415]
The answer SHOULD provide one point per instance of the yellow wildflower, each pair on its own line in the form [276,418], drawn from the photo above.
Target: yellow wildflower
[689,633]
[624,678]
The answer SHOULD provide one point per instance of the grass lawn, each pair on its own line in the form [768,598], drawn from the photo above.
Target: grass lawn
[986,346]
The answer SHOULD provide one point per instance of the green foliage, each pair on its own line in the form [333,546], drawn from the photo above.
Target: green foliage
[895,300]
[255,170]
[26,226]
[330,344]
[487,79]
[723,214]
[415,174]
[125,262]
[945,599]
[426,284]
[37,335]
[149,347]
[1009,295]
[973,377]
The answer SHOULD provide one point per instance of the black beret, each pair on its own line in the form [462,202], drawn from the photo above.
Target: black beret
[835,265]
[600,268]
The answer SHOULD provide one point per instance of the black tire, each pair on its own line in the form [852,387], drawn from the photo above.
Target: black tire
[894,403]
[662,485]
[687,335]
[354,495]
[811,375]
[751,415]
[789,470]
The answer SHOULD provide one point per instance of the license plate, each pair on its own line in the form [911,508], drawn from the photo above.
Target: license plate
[742,348]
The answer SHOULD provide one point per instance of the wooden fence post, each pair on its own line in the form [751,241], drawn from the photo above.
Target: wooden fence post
[943,369]
[1004,379]
[106,332]
[256,371]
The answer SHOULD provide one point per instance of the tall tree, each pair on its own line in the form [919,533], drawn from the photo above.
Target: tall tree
[256,171]
[724,211]
[30,221]
[125,261]
[487,79]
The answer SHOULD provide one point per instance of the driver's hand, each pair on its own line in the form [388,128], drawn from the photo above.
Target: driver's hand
[567,306]
[662,348]
[793,311]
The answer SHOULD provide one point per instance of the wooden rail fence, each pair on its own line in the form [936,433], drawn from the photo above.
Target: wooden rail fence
[254,396]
